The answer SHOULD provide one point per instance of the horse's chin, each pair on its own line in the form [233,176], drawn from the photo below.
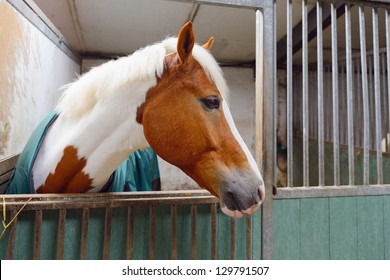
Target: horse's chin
[239,213]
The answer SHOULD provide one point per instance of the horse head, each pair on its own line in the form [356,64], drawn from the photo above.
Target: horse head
[187,122]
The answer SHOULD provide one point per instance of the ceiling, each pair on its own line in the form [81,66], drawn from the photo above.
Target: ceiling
[120,27]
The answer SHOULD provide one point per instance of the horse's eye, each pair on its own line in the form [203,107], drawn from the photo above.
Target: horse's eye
[211,102]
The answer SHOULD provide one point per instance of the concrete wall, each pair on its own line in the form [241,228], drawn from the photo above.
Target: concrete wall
[32,69]
[242,103]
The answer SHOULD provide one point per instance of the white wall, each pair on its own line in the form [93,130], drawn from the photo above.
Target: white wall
[242,104]
[32,69]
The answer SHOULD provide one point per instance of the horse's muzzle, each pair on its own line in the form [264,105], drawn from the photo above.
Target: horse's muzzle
[238,199]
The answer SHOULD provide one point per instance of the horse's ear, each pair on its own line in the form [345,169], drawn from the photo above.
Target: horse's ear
[185,42]
[209,44]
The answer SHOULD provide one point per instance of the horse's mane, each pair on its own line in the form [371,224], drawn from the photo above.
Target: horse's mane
[144,66]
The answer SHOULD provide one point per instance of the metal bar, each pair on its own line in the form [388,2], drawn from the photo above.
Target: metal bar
[290,127]
[130,196]
[213,231]
[12,236]
[107,234]
[248,234]
[173,232]
[152,233]
[265,116]
[233,253]
[387,16]
[61,234]
[193,13]
[359,117]
[371,96]
[332,191]
[351,152]
[365,101]
[335,91]
[305,92]
[378,111]
[130,231]
[84,234]
[37,235]
[312,31]
[385,102]
[193,231]
[371,3]
[320,86]
[77,201]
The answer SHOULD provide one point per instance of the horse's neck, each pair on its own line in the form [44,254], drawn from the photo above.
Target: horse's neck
[103,137]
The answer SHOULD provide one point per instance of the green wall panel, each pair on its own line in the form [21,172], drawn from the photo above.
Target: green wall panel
[332,228]
[286,239]
[72,239]
[24,243]
[315,228]
[371,243]
[256,235]
[343,228]
[49,234]
[386,213]
[118,242]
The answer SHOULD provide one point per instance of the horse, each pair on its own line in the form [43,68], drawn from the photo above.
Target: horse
[170,96]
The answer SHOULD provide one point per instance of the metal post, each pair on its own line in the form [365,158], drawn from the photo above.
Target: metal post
[335,90]
[387,15]
[351,150]
[366,121]
[289,97]
[378,111]
[320,85]
[305,93]
[265,116]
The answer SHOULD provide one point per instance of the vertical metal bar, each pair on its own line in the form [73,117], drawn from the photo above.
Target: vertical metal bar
[305,92]
[385,101]
[289,97]
[343,105]
[37,235]
[213,231]
[152,232]
[84,234]
[387,15]
[365,101]
[265,116]
[248,237]
[378,111]
[107,234]
[173,232]
[61,234]
[351,146]
[233,239]
[12,236]
[371,99]
[359,118]
[320,85]
[335,90]
[193,231]
[130,231]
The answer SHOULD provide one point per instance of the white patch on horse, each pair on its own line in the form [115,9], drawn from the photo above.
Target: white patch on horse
[244,147]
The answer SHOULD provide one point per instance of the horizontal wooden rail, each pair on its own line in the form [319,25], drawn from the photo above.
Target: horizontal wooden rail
[98,200]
